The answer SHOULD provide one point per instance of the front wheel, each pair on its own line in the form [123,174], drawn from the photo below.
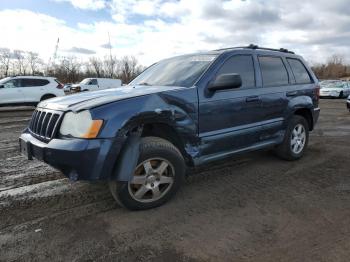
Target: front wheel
[156,178]
[295,140]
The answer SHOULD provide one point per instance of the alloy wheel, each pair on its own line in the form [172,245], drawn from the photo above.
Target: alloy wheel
[152,179]
[298,138]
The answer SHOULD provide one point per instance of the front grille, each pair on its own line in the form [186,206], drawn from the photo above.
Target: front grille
[44,124]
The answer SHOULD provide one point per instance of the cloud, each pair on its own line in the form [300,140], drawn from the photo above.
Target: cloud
[80,50]
[158,29]
[86,4]
[107,46]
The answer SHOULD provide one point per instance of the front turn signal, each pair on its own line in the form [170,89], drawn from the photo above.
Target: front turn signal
[94,129]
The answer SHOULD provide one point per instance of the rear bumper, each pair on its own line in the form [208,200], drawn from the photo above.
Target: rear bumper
[315,115]
[78,159]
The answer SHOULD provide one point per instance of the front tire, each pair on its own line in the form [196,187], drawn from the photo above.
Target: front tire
[295,140]
[157,177]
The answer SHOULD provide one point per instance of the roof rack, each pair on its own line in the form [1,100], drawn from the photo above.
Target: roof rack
[252,46]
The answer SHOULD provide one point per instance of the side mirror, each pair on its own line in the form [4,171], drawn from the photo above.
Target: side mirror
[226,81]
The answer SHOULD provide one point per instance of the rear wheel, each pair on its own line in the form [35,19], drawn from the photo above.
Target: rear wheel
[295,140]
[156,178]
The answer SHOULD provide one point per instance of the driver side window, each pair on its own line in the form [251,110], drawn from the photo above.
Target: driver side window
[93,82]
[242,65]
[12,83]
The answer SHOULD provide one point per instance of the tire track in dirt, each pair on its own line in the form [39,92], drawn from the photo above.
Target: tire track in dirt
[20,120]
[42,199]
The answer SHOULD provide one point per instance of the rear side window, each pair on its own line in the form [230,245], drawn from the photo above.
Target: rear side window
[242,65]
[27,82]
[273,71]
[93,82]
[299,71]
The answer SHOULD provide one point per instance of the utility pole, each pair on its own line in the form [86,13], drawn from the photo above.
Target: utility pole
[110,55]
[52,61]
[110,46]
[55,53]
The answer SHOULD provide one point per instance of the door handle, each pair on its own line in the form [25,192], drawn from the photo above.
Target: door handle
[252,99]
[292,93]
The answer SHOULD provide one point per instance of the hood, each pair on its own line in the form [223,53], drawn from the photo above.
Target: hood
[87,100]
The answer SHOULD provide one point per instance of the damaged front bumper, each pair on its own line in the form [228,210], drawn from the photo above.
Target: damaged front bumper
[78,159]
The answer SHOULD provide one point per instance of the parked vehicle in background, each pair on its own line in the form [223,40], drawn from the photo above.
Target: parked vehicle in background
[181,112]
[337,89]
[324,83]
[93,84]
[67,88]
[28,90]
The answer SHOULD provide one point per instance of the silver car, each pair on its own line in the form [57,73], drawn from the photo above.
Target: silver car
[335,89]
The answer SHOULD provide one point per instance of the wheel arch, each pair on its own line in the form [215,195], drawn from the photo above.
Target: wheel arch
[169,133]
[307,114]
[49,95]
[161,129]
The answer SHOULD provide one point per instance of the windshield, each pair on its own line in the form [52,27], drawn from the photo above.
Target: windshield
[5,80]
[86,81]
[178,71]
[337,85]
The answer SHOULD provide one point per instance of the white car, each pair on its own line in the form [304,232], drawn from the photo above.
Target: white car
[93,84]
[335,89]
[28,90]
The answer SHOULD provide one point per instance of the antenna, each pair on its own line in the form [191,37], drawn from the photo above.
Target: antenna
[110,46]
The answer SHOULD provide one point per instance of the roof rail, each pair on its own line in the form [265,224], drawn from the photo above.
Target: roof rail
[252,46]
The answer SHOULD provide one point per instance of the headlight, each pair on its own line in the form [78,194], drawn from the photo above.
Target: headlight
[80,125]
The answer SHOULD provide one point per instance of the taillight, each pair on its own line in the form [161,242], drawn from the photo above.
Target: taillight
[317,91]
[60,86]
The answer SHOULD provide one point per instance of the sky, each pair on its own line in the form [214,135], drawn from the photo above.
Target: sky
[155,29]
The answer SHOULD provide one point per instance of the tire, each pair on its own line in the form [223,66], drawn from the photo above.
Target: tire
[166,171]
[287,150]
[45,97]
[341,94]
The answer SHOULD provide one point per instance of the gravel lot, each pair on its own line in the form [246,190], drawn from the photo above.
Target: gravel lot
[252,208]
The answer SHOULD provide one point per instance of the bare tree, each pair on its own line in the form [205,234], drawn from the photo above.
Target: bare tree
[5,58]
[111,66]
[335,60]
[68,69]
[33,61]
[129,68]
[335,68]
[97,66]
[71,67]
[20,58]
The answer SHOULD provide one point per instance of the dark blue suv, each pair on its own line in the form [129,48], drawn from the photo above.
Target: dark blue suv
[181,112]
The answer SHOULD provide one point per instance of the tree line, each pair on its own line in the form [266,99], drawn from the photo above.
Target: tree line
[334,68]
[68,69]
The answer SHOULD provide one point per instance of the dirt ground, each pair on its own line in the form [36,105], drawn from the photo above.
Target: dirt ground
[252,208]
